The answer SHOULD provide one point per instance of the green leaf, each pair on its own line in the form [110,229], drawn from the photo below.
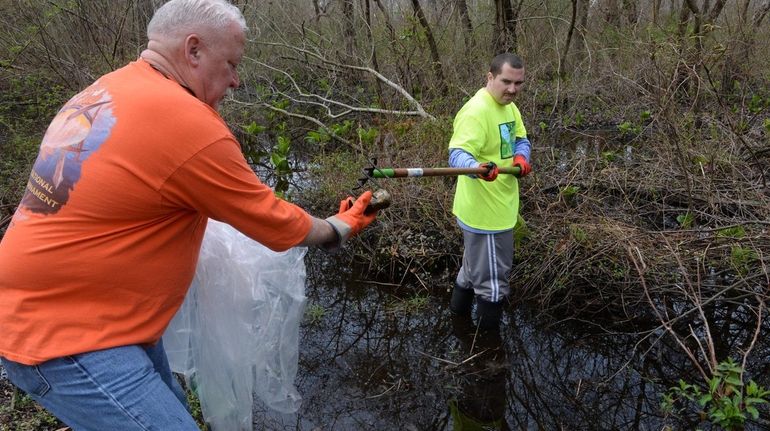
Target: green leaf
[753,412]
[367,136]
[277,159]
[283,167]
[318,137]
[736,232]
[703,400]
[283,145]
[700,160]
[667,404]
[730,365]
[281,104]
[520,231]
[253,128]
[754,400]
[685,220]
[714,384]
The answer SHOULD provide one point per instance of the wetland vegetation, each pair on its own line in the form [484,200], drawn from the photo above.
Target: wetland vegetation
[641,279]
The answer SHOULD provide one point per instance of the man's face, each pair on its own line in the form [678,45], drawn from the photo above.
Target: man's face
[506,84]
[219,56]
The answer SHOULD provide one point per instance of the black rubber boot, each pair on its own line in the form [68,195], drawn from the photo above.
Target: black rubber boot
[464,329]
[489,314]
[462,300]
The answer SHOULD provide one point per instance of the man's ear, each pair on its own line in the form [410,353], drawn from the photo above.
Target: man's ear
[192,47]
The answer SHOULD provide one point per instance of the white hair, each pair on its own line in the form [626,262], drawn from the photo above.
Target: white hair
[182,15]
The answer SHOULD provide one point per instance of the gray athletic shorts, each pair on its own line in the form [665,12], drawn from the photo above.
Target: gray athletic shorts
[487,261]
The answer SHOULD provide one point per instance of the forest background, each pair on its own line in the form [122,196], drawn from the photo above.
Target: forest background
[647,211]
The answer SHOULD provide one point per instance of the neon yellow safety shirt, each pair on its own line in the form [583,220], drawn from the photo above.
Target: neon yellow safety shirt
[488,131]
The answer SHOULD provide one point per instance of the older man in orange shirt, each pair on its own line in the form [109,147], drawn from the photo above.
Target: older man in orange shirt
[103,246]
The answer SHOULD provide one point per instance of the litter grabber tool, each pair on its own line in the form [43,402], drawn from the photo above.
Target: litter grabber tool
[381,198]
[375,172]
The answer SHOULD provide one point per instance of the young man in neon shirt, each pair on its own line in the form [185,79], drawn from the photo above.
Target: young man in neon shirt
[488,132]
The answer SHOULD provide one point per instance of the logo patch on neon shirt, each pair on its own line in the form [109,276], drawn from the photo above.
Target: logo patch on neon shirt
[507,139]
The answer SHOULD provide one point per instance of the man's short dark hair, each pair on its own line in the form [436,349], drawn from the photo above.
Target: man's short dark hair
[508,58]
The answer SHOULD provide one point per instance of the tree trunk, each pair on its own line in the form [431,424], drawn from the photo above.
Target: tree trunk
[761,13]
[743,11]
[462,7]
[684,18]
[680,74]
[438,69]
[655,11]
[632,11]
[349,29]
[697,15]
[369,36]
[572,23]
[506,15]
[612,13]
[716,10]
[388,21]
[738,54]
[583,7]
[403,66]
[694,57]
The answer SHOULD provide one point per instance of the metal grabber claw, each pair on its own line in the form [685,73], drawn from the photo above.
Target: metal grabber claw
[380,197]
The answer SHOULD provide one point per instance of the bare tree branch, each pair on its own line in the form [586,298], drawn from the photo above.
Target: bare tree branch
[418,108]
[325,102]
[307,118]
[761,13]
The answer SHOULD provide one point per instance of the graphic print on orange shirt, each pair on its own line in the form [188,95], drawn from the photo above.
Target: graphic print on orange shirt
[77,131]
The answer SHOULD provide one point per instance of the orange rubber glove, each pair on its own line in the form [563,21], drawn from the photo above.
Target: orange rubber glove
[351,219]
[492,171]
[521,162]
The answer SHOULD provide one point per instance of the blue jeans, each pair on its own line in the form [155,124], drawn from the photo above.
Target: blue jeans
[128,388]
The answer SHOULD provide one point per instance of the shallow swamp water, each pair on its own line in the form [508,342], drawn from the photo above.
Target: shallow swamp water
[386,357]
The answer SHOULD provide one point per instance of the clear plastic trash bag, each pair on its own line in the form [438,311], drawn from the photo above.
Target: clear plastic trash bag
[237,333]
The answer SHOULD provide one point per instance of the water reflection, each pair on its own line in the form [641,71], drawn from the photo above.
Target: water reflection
[393,358]
[482,377]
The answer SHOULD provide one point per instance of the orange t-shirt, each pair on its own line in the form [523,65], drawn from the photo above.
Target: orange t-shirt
[105,241]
